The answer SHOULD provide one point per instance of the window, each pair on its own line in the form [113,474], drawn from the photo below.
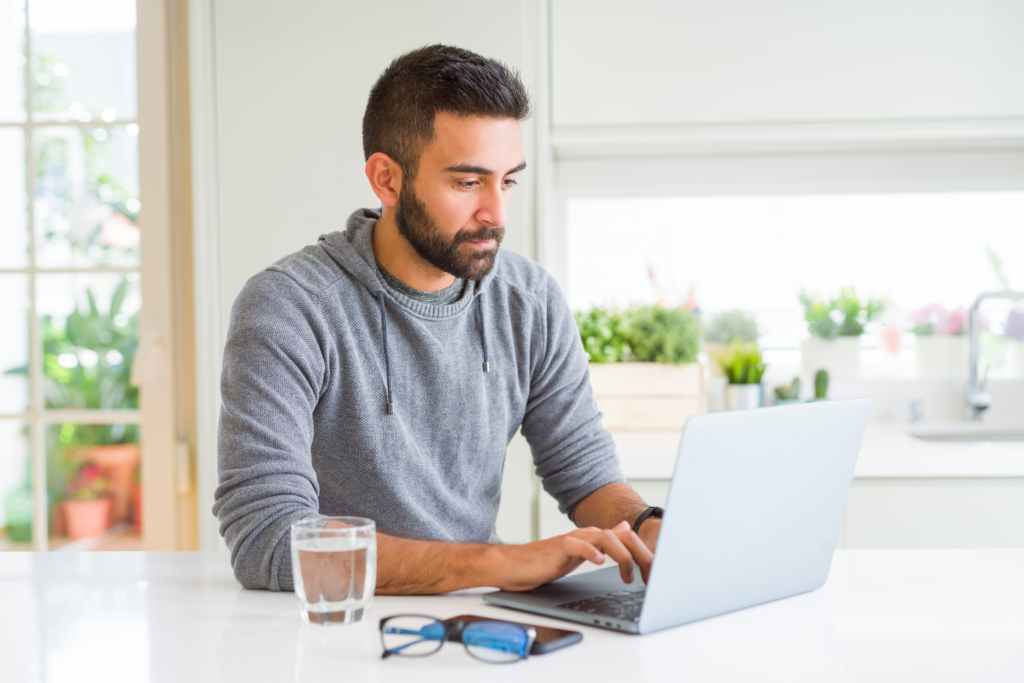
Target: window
[70,294]
[757,253]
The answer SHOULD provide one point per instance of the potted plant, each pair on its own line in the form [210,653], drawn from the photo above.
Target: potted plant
[743,367]
[18,507]
[87,509]
[836,326]
[87,359]
[821,385]
[726,328]
[643,367]
[788,393]
[941,344]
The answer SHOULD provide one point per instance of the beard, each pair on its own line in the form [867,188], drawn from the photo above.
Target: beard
[420,229]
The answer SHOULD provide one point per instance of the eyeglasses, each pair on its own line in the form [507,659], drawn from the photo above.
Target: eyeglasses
[414,635]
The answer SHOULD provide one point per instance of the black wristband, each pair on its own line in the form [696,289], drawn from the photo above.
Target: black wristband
[655,512]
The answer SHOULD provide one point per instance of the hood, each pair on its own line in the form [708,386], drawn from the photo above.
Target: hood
[352,250]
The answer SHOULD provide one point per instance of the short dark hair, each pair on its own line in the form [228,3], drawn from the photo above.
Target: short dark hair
[399,117]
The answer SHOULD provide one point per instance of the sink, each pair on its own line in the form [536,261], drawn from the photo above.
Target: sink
[967,431]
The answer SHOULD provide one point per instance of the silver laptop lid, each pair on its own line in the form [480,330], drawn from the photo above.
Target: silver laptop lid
[754,509]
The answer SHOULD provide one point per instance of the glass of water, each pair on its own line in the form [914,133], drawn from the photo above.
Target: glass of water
[334,568]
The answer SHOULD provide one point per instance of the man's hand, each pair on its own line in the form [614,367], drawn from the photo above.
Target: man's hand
[410,567]
[527,566]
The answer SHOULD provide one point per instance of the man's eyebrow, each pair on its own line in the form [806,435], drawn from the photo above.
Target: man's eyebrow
[480,170]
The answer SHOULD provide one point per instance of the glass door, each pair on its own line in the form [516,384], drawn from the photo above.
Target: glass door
[70,295]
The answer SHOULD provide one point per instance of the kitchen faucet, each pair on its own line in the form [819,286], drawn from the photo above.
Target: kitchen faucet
[978,400]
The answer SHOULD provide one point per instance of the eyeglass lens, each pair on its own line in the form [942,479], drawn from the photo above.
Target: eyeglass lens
[489,641]
[494,641]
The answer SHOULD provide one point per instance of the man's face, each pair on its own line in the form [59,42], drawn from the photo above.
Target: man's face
[453,213]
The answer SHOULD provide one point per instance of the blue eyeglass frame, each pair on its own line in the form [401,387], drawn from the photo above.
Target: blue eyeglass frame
[452,631]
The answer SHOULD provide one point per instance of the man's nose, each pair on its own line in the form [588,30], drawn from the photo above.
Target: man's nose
[493,209]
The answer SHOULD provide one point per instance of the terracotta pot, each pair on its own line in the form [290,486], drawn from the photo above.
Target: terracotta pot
[117,462]
[891,340]
[86,518]
[137,509]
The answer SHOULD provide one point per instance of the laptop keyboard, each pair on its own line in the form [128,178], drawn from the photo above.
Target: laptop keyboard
[618,605]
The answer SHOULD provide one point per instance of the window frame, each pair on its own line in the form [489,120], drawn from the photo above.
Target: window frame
[157,415]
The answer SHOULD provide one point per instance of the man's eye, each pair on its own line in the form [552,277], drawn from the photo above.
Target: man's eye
[469,184]
[510,183]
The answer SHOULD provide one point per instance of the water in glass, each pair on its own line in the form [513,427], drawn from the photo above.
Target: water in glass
[334,568]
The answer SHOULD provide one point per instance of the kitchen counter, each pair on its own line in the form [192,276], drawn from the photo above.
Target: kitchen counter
[882,616]
[887,451]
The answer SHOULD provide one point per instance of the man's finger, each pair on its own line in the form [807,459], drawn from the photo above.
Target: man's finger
[608,541]
[574,546]
[642,555]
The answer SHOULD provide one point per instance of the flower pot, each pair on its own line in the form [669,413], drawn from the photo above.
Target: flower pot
[137,509]
[86,518]
[742,396]
[840,357]
[117,462]
[891,341]
[942,356]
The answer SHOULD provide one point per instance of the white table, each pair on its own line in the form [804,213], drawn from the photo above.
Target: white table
[884,615]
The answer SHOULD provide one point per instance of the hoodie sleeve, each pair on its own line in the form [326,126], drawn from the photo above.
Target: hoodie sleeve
[573,453]
[273,370]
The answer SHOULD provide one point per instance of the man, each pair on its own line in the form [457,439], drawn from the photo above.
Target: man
[382,372]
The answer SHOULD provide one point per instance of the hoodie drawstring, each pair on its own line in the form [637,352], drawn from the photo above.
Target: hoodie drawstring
[483,330]
[387,358]
[387,361]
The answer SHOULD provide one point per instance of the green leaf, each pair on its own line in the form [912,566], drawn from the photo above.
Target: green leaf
[118,298]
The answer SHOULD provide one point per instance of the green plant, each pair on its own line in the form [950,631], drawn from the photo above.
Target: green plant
[821,384]
[87,359]
[741,364]
[663,335]
[731,326]
[788,392]
[603,335]
[842,316]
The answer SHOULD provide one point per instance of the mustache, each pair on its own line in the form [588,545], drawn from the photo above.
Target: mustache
[481,235]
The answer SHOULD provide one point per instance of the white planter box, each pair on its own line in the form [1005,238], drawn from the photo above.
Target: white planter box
[839,357]
[942,357]
[648,396]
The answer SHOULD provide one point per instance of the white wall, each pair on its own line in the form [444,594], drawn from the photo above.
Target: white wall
[669,62]
[290,82]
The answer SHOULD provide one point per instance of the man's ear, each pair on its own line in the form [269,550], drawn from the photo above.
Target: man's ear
[385,177]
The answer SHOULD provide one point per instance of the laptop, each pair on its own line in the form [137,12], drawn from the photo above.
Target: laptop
[753,514]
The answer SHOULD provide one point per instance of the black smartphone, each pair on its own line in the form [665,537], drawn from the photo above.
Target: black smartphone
[548,639]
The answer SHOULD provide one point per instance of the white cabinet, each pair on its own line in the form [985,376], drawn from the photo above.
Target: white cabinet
[984,512]
[938,512]
[689,62]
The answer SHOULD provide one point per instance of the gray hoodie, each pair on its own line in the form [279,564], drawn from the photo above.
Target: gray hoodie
[320,352]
